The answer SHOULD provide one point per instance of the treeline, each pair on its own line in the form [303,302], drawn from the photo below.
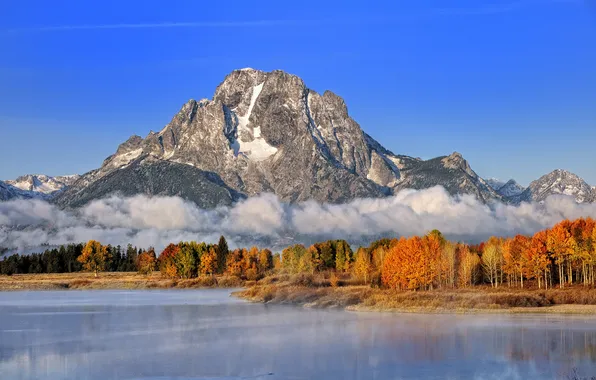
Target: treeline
[183,260]
[64,259]
[560,256]
[192,259]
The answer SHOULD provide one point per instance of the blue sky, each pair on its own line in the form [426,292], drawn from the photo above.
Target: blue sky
[509,84]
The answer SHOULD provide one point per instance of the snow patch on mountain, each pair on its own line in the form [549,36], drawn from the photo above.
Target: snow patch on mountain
[124,159]
[250,142]
[38,185]
[558,182]
[510,189]
[495,183]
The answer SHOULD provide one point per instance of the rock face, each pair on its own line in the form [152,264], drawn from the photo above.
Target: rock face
[510,189]
[452,172]
[557,182]
[268,132]
[7,192]
[505,189]
[146,176]
[495,183]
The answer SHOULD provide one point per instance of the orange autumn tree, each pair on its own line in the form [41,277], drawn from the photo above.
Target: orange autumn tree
[558,243]
[208,265]
[403,267]
[536,258]
[432,268]
[167,261]
[146,262]
[95,257]
[235,263]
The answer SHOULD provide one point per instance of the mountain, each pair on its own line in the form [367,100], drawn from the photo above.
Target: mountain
[267,132]
[35,186]
[495,183]
[7,192]
[43,184]
[557,182]
[157,177]
[505,189]
[452,172]
[510,189]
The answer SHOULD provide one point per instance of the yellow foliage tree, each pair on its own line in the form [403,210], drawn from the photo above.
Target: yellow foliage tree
[363,265]
[94,257]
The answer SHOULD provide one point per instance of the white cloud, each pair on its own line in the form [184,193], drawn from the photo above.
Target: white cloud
[266,221]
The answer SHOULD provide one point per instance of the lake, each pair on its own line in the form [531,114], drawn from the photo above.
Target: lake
[206,334]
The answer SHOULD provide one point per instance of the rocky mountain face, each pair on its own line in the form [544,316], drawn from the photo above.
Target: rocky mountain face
[505,189]
[495,183]
[35,186]
[157,177]
[510,189]
[452,172]
[7,192]
[554,183]
[268,132]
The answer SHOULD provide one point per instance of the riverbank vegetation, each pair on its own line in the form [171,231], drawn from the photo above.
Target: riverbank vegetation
[326,290]
[553,267]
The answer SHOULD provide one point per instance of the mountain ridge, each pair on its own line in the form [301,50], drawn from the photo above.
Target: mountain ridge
[268,132]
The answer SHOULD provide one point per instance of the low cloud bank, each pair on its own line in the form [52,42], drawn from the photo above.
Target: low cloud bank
[266,221]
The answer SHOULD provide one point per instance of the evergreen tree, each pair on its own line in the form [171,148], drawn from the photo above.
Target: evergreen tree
[222,252]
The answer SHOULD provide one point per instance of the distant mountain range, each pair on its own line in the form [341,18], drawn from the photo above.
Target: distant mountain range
[268,132]
[36,186]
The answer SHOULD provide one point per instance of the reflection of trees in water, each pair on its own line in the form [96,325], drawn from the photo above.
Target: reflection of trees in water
[552,345]
[441,338]
[183,340]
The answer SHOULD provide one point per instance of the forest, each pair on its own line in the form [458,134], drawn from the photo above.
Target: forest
[557,257]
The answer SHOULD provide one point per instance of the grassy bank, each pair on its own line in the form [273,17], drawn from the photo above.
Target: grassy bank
[308,291]
[317,292]
[110,280]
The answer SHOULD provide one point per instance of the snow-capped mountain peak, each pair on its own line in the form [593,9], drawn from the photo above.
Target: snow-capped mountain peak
[40,185]
[510,189]
[557,182]
[495,183]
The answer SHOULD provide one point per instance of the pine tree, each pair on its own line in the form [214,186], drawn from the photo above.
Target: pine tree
[222,252]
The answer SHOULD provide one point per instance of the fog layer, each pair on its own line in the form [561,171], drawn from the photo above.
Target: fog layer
[266,221]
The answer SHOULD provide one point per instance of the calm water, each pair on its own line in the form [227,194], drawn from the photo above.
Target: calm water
[208,335]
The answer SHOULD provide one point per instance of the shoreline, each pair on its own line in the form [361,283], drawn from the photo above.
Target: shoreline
[460,301]
[351,298]
[110,281]
[554,310]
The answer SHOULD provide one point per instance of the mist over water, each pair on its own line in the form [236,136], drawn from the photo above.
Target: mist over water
[266,221]
[208,335]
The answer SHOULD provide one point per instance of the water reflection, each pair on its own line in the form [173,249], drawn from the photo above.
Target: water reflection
[206,334]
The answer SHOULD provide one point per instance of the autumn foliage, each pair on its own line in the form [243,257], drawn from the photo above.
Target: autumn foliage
[94,257]
[556,257]
[562,255]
